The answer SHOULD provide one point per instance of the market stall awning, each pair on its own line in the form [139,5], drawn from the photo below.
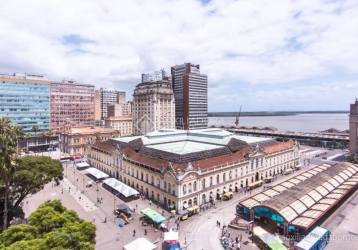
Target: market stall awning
[82,165]
[259,231]
[276,246]
[97,173]
[228,193]
[158,218]
[121,187]
[140,244]
[185,205]
[171,235]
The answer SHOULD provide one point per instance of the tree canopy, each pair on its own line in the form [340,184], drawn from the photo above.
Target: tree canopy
[51,226]
[32,174]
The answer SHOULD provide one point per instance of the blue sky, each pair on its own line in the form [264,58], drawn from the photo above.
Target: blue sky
[264,55]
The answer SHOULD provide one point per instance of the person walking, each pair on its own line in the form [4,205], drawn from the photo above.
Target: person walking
[133,232]
[94,218]
[117,237]
[145,231]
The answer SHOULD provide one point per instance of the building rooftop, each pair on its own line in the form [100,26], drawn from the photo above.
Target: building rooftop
[303,199]
[91,130]
[115,118]
[205,148]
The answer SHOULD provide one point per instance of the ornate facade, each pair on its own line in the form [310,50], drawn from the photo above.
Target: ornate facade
[185,168]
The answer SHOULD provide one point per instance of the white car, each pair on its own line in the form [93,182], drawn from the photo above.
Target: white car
[89,184]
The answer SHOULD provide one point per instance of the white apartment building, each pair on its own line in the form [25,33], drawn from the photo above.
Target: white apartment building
[153,107]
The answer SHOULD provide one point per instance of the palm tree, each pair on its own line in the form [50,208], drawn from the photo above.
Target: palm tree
[10,136]
[44,135]
[35,129]
[27,137]
[49,134]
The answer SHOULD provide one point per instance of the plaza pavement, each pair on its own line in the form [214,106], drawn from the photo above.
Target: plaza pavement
[200,230]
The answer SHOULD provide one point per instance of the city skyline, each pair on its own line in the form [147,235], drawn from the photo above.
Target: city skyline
[282,56]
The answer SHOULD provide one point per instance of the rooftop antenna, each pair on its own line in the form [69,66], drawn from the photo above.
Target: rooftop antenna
[238,117]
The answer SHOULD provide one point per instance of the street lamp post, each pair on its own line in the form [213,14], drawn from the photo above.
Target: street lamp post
[83,179]
[97,192]
[74,176]
[66,169]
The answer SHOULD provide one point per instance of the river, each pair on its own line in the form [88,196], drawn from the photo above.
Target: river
[295,123]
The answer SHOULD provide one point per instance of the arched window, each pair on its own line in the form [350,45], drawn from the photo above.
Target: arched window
[236,173]
[194,186]
[173,189]
[190,203]
[152,180]
[257,163]
[252,179]
[195,201]
[224,176]
[217,179]
[211,180]
[184,189]
[203,183]
[190,189]
[158,182]
[165,185]
[230,175]
[252,164]
[168,187]
[132,171]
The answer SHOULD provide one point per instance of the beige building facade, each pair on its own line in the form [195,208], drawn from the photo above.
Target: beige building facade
[77,140]
[182,169]
[153,107]
[121,123]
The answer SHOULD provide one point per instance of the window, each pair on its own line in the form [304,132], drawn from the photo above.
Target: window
[146,178]
[173,189]
[152,180]
[168,187]
[262,162]
[190,189]
[165,185]
[257,163]
[236,173]
[211,181]
[195,186]
[242,171]
[252,164]
[217,179]
[203,183]
[158,182]
[224,177]
[247,169]
[184,189]
[230,175]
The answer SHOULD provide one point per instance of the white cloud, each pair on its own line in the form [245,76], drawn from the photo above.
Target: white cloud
[259,43]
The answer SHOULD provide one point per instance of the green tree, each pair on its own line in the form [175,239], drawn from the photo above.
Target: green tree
[10,136]
[51,226]
[32,174]
[98,138]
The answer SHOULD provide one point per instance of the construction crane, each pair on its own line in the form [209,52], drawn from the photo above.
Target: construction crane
[238,117]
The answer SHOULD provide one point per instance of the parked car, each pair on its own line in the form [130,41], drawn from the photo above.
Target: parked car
[89,184]
[317,155]
[30,152]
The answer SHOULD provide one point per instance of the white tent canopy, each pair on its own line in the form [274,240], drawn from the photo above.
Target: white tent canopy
[140,244]
[121,187]
[96,173]
[171,235]
[82,165]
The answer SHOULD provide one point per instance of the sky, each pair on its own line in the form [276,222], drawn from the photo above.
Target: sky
[263,55]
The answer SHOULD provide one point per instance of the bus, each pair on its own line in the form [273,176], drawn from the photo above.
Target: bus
[315,240]
[65,158]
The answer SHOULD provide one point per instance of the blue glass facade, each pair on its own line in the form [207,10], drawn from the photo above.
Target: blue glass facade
[25,103]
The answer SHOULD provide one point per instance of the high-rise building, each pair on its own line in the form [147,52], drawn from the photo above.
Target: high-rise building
[72,105]
[353,128]
[121,123]
[191,96]
[122,109]
[110,96]
[24,100]
[153,107]
[97,105]
[155,76]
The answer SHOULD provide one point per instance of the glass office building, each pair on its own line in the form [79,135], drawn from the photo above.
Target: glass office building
[25,101]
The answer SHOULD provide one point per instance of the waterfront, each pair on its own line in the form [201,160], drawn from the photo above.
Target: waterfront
[295,123]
